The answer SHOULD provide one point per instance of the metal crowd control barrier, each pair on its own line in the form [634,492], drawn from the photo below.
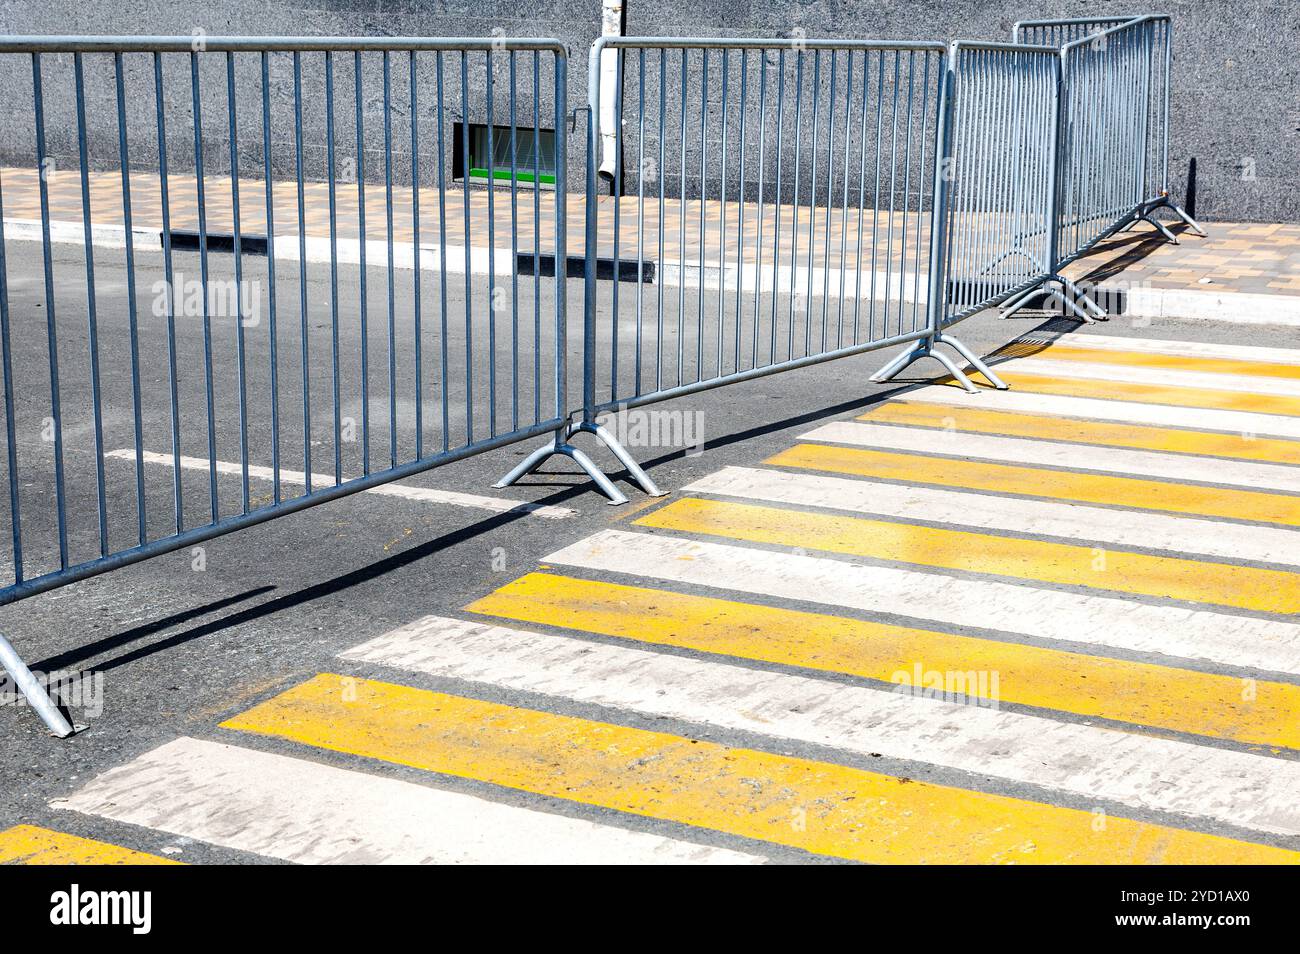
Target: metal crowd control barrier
[465,364]
[1112,164]
[999,208]
[806,174]
[1157,192]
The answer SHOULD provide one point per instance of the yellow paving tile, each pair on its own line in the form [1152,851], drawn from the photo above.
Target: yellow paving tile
[1270,591]
[1177,699]
[30,845]
[1150,359]
[1150,393]
[1103,433]
[817,806]
[1040,482]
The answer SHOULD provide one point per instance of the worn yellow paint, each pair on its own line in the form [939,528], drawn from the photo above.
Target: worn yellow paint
[1225,707]
[1150,359]
[1103,433]
[1270,591]
[30,845]
[1135,492]
[817,806]
[1150,393]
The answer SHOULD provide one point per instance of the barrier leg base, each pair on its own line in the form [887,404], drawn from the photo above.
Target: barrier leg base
[1165,203]
[1013,305]
[1191,222]
[634,470]
[33,691]
[1080,297]
[560,445]
[1074,301]
[974,361]
[1159,227]
[925,349]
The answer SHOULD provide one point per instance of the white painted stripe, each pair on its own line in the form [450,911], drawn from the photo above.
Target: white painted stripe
[285,247]
[1140,771]
[1191,349]
[1099,371]
[1039,453]
[298,477]
[302,811]
[1235,307]
[1099,409]
[1043,614]
[1049,518]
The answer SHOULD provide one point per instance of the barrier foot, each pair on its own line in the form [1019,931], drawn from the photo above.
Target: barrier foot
[1191,222]
[32,689]
[1071,307]
[1023,299]
[974,361]
[560,445]
[925,350]
[1081,296]
[1159,227]
[634,470]
[1074,301]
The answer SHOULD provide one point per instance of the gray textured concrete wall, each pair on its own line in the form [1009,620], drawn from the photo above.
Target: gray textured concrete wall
[1235,104]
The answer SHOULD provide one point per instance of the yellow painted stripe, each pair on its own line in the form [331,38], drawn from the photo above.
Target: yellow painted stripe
[1040,482]
[30,845]
[1150,359]
[1103,433]
[1157,696]
[1150,393]
[817,806]
[1270,591]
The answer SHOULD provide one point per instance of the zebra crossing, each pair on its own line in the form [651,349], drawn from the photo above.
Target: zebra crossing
[1051,625]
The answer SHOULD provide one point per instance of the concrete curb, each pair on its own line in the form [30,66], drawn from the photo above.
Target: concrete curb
[1138,302]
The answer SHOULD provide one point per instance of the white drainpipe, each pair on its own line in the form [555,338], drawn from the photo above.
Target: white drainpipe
[611,24]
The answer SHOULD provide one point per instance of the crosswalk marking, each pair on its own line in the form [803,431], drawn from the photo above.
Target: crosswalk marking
[1040,453]
[1014,608]
[1243,587]
[299,478]
[1151,360]
[1222,502]
[32,845]
[1096,408]
[1204,356]
[988,632]
[1104,433]
[1177,699]
[1096,763]
[1096,367]
[301,811]
[1172,395]
[821,807]
[1068,521]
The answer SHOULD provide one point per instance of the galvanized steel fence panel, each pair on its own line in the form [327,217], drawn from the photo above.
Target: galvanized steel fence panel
[805,174]
[360,330]
[1106,133]
[1003,173]
[1059,33]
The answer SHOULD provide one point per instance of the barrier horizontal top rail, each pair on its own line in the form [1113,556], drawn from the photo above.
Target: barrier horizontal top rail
[273,44]
[761,43]
[1099,36]
[1068,27]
